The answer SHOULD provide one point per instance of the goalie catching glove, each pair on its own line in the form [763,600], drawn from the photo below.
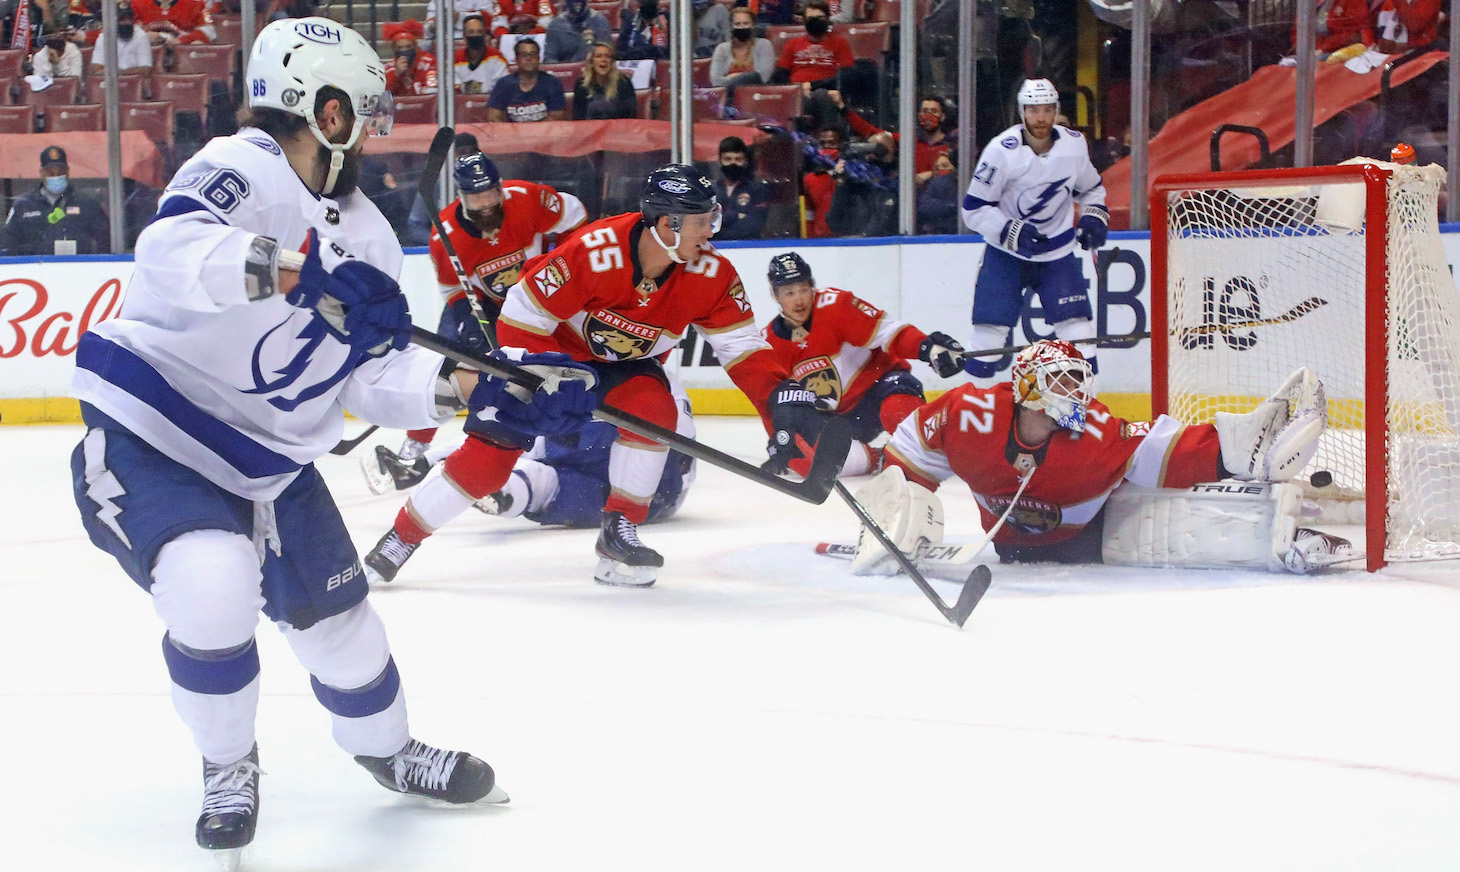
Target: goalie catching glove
[1272,443]
[512,416]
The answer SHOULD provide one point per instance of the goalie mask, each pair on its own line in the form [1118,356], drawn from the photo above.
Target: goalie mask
[1053,377]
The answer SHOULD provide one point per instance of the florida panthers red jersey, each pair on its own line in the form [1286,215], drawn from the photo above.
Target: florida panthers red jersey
[968,432]
[844,347]
[494,263]
[588,298]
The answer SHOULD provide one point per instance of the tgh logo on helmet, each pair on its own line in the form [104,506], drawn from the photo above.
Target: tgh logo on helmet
[313,30]
[674,186]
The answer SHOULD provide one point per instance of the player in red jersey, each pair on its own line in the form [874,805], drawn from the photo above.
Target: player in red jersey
[175,21]
[619,295]
[495,226]
[1046,445]
[852,356]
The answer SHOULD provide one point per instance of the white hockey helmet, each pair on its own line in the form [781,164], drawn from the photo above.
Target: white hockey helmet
[294,57]
[1053,377]
[1037,92]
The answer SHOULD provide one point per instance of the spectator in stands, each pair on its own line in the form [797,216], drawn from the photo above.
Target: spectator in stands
[603,91]
[1398,26]
[572,34]
[180,22]
[479,65]
[51,218]
[524,16]
[817,183]
[35,18]
[645,32]
[1343,31]
[864,202]
[57,57]
[814,61]
[134,49]
[528,94]
[411,72]
[933,140]
[937,208]
[489,9]
[742,197]
[774,11]
[712,27]
[743,59]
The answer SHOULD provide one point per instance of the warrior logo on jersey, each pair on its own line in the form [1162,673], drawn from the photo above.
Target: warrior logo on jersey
[552,276]
[500,274]
[611,336]
[1030,516]
[820,377]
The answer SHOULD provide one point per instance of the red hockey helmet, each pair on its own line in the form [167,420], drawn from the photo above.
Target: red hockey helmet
[1052,376]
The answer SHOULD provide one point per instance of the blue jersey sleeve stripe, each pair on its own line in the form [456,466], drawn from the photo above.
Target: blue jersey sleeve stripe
[119,367]
[970,202]
[181,204]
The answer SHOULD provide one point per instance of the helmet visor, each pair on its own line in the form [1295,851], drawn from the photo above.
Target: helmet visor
[717,216]
[379,114]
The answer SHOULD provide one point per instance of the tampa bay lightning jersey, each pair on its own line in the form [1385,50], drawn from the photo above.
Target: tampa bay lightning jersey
[1011,181]
[246,393]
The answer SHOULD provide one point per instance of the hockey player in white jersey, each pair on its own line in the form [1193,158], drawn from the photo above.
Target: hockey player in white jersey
[1021,199]
[222,380]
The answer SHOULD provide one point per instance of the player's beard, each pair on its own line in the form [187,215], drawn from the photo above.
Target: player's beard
[349,177]
[488,221]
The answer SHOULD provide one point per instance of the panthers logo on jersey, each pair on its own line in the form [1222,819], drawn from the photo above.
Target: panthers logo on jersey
[610,336]
[498,275]
[819,375]
[1030,516]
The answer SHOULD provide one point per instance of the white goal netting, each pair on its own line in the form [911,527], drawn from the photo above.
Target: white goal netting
[1263,280]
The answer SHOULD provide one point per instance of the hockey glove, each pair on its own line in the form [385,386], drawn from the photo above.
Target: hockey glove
[470,331]
[362,306]
[793,413]
[1094,224]
[512,416]
[943,353]
[1021,238]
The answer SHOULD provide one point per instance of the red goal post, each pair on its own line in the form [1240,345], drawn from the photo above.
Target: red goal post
[1340,269]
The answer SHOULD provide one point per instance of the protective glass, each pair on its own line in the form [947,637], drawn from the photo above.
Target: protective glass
[379,114]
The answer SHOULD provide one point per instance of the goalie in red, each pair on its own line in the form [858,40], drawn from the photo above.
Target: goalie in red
[1058,478]
[852,355]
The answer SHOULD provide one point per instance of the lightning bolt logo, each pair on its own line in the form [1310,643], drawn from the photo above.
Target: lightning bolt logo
[1042,200]
[101,485]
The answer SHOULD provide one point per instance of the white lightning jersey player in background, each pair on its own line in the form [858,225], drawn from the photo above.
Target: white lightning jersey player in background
[1022,200]
[220,382]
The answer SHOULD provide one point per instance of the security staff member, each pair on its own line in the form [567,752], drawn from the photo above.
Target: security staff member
[41,221]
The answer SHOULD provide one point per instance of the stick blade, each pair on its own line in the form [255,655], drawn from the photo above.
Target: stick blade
[973,590]
[441,142]
[832,447]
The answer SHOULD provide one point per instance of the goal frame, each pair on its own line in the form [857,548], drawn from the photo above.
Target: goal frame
[1375,181]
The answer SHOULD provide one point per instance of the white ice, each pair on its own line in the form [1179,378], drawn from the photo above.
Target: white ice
[759,708]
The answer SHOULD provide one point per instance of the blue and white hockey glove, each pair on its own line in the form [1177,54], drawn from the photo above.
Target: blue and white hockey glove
[469,331]
[793,412]
[1022,238]
[943,353]
[1094,224]
[512,416]
[362,306]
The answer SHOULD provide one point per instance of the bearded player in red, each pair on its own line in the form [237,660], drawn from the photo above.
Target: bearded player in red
[1088,487]
[495,226]
[619,295]
[852,356]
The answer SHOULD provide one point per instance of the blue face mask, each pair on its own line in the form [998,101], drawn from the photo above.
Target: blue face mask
[56,184]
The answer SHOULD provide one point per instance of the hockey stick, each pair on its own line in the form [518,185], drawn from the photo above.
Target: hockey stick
[345,446]
[973,589]
[435,160]
[1096,340]
[831,447]
[1292,314]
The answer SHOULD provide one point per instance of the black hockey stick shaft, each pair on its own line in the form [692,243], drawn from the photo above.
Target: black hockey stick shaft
[831,447]
[435,160]
[1094,340]
[347,445]
[973,589]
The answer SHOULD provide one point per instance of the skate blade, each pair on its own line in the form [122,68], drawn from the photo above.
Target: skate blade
[615,574]
[378,480]
[497,796]
[228,859]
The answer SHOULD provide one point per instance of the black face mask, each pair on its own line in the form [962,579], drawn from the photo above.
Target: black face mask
[742,33]
[734,172]
[818,26]
[488,221]
[649,8]
[409,54]
[476,43]
[124,31]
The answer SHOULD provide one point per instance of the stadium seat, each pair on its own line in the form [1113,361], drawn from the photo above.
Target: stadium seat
[612,11]
[65,119]
[708,104]
[62,92]
[769,104]
[229,29]
[780,34]
[156,119]
[566,74]
[472,108]
[568,105]
[130,89]
[415,110]
[17,119]
[644,104]
[187,93]
[10,61]
[217,62]
[700,72]
[868,40]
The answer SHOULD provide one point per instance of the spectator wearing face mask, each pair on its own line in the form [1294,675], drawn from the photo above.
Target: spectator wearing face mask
[134,49]
[459,10]
[817,184]
[645,32]
[814,61]
[743,59]
[55,218]
[411,71]
[175,22]
[479,65]
[741,195]
[574,32]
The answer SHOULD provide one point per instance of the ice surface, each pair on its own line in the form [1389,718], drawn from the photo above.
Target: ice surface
[758,708]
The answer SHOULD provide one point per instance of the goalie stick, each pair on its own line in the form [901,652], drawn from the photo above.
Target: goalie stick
[973,589]
[1292,314]
[948,562]
[1095,340]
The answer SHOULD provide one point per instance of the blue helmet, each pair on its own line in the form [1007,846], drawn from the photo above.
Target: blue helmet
[676,189]
[789,269]
[476,173]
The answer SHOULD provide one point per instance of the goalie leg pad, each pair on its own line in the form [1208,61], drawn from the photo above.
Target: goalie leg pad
[1224,525]
[908,513]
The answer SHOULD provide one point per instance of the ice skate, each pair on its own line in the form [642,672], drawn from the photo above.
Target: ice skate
[496,503]
[387,471]
[421,770]
[1314,550]
[387,557]
[625,561]
[411,449]
[230,808]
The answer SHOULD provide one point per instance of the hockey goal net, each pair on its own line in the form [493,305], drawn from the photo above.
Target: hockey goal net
[1339,269]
